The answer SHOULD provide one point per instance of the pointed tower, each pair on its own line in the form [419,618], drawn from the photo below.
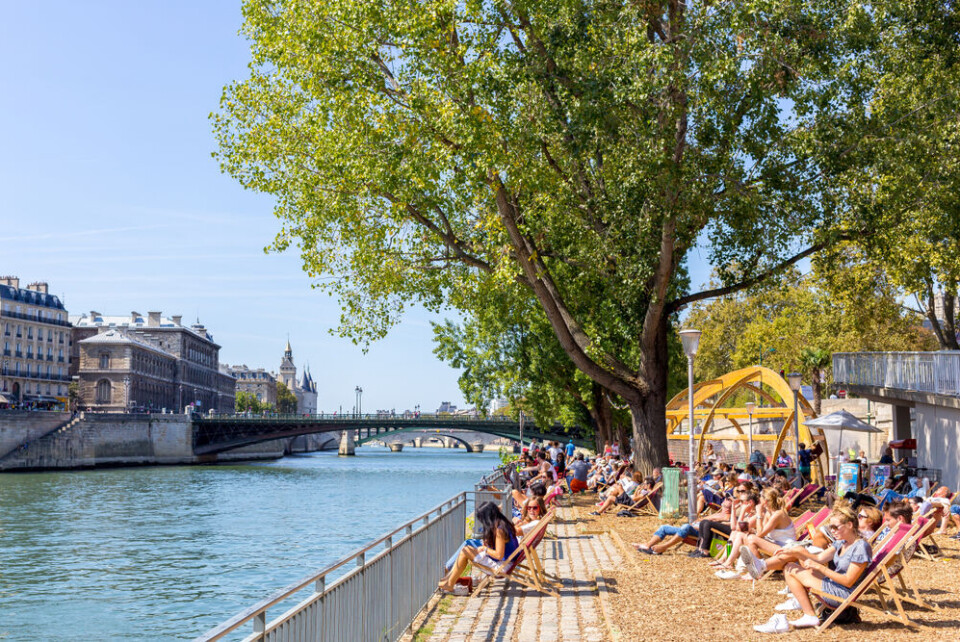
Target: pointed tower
[288,371]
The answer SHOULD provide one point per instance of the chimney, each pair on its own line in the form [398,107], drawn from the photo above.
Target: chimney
[93,316]
[176,319]
[12,281]
[153,320]
[133,317]
[39,286]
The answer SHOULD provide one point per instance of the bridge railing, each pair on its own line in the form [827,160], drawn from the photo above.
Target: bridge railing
[933,372]
[350,417]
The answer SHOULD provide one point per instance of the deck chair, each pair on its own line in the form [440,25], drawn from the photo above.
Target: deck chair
[802,496]
[647,504]
[889,551]
[925,538]
[524,564]
[907,591]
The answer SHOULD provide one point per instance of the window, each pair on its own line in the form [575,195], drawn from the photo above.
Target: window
[28,388]
[105,361]
[103,391]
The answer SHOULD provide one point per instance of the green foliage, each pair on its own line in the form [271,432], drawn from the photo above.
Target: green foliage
[286,400]
[444,153]
[805,322]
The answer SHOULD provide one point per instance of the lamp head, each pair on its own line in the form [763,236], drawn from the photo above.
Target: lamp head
[750,406]
[794,380]
[691,341]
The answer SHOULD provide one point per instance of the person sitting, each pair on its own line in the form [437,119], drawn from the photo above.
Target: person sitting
[531,509]
[850,555]
[775,529]
[706,526]
[579,471]
[869,519]
[887,456]
[622,489]
[668,536]
[498,543]
[758,459]
[741,526]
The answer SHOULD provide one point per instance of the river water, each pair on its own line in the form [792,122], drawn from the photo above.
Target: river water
[166,553]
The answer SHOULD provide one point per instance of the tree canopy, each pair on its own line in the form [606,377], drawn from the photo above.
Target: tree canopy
[441,152]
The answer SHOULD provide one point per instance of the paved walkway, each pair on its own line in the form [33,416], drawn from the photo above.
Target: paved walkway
[505,614]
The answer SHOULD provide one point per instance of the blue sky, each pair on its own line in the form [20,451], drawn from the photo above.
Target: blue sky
[109,193]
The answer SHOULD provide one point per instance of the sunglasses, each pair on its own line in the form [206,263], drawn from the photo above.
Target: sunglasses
[835,527]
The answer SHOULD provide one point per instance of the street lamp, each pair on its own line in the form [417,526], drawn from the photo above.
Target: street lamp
[359,392]
[750,406]
[691,342]
[794,380]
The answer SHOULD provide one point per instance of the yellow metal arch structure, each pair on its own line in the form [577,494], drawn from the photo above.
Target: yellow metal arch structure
[710,397]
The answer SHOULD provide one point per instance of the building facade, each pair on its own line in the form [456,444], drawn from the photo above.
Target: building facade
[120,372]
[305,389]
[197,379]
[259,383]
[35,366]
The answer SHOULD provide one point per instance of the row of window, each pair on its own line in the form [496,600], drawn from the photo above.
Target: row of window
[9,329]
[30,370]
[40,314]
[29,389]
[19,352]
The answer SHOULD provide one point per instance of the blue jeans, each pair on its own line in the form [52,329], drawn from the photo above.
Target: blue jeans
[476,543]
[955,510]
[667,530]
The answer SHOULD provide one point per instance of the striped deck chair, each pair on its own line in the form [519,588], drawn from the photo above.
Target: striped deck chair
[646,505]
[890,550]
[907,591]
[929,521]
[804,495]
[524,564]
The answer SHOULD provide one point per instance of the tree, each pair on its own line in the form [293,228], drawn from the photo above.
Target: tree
[245,401]
[905,176]
[815,361]
[286,400]
[427,151]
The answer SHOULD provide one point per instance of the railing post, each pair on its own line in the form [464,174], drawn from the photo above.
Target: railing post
[260,625]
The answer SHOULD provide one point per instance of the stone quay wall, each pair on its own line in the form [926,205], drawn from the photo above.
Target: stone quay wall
[95,440]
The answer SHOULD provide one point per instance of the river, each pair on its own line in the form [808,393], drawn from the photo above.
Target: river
[168,552]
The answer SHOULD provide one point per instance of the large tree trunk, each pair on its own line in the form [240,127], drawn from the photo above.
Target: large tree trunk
[817,390]
[649,413]
[602,414]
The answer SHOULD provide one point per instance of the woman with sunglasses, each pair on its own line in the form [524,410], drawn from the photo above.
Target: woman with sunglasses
[836,571]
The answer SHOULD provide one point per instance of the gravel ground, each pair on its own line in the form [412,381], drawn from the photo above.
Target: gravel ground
[673,597]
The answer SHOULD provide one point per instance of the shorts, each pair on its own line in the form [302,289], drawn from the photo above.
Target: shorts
[830,587]
[955,509]
[576,485]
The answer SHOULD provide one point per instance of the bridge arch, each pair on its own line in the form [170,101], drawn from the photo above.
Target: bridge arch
[385,436]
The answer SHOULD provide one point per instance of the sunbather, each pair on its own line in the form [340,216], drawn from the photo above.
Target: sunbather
[850,555]
[740,528]
[498,543]
[668,536]
[706,526]
[622,492]
[775,529]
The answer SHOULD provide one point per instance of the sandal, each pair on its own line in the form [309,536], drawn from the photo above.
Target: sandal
[648,551]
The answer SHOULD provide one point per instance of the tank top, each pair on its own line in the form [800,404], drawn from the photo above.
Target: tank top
[782,535]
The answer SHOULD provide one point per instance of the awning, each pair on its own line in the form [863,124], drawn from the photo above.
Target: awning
[5,399]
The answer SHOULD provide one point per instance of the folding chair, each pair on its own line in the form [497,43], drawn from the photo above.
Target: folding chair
[929,522]
[803,496]
[524,564]
[890,550]
[645,505]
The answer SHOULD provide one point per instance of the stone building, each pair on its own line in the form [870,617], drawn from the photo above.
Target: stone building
[259,382]
[34,368]
[305,389]
[197,379]
[121,372]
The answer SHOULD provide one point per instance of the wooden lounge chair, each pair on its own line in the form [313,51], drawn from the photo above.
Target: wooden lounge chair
[802,496]
[524,564]
[646,505]
[926,538]
[907,591]
[889,551]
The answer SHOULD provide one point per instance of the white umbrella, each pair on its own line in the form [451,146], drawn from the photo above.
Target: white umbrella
[841,420]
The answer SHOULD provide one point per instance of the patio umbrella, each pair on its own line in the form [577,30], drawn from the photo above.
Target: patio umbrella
[841,420]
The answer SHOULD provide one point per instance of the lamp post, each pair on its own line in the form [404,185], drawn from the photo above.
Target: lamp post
[691,342]
[750,407]
[794,380]
[359,391]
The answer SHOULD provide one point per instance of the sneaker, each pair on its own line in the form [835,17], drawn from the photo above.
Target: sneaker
[697,553]
[727,575]
[790,605]
[754,566]
[777,624]
[784,591]
[805,622]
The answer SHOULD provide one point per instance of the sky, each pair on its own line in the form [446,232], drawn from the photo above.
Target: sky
[108,192]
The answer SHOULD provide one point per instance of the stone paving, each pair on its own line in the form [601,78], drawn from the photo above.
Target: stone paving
[513,612]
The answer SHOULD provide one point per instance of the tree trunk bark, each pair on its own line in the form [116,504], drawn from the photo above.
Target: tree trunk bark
[817,390]
[649,413]
[949,324]
[602,415]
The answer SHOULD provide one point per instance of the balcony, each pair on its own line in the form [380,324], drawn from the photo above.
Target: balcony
[6,353]
[928,372]
[19,354]
[49,357]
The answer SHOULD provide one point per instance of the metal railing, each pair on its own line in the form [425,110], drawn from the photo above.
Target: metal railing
[376,600]
[934,372]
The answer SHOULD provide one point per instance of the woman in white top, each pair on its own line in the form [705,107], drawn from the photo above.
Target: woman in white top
[774,527]
[623,488]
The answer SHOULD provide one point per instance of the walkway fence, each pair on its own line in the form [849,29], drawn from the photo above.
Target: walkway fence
[933,372]
[386,583]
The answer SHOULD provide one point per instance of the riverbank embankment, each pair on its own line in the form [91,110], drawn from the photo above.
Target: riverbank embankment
[51,441]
